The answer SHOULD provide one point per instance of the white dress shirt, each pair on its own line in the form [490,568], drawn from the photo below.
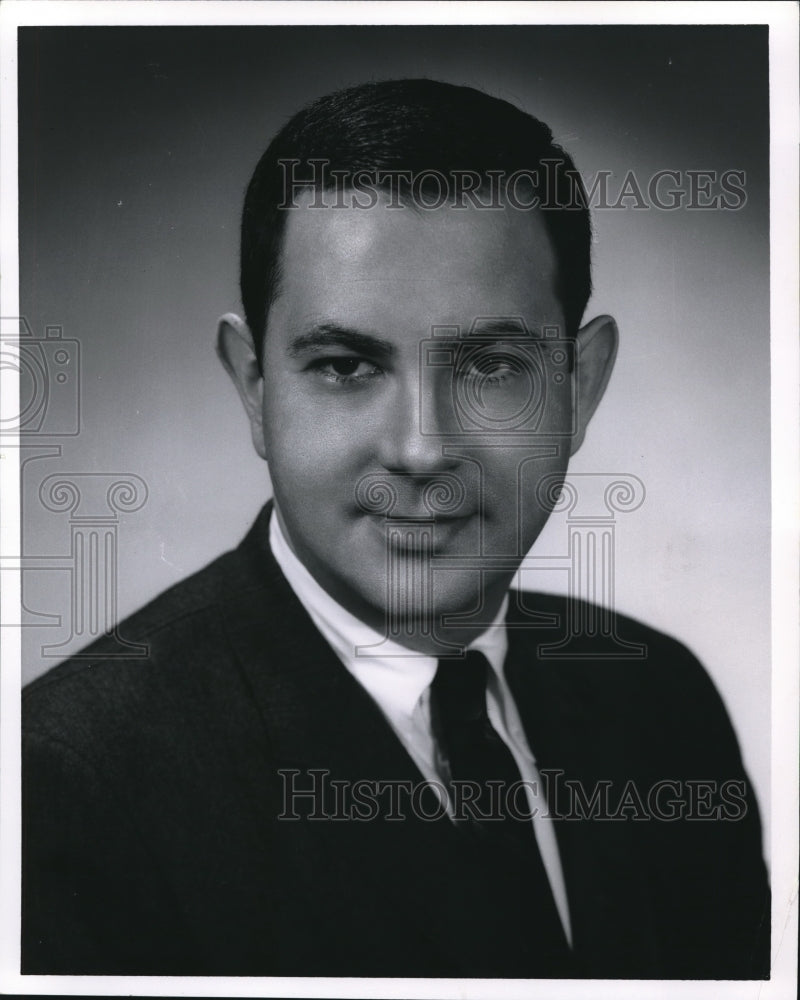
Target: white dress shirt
[399,681]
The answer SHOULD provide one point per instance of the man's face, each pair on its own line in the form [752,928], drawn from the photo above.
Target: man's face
[363,427]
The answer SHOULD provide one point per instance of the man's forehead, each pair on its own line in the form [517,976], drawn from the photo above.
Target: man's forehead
[453,264]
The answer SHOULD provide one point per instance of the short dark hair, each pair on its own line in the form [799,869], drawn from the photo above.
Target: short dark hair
[413,126]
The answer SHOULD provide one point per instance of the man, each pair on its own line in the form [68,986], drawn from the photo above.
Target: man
[351,750]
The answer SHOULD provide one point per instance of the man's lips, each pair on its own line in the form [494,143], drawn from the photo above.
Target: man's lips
[415,534]
[424,516]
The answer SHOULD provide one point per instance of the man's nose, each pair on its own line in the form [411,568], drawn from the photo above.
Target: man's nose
[415,428]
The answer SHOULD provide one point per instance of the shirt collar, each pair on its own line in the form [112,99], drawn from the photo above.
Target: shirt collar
[395,676]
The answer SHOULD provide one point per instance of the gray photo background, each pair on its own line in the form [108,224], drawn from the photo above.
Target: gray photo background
[135,148]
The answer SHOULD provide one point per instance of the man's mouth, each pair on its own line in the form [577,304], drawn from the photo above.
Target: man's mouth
[416,534]
[424,518]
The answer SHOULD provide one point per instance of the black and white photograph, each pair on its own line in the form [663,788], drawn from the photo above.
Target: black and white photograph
[399,452]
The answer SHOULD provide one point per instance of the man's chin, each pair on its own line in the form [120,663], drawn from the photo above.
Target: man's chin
[412,615]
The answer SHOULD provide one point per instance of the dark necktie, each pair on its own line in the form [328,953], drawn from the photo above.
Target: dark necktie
[495,820]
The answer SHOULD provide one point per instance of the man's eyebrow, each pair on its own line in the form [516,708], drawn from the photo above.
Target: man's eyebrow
[500,326]
[323,335]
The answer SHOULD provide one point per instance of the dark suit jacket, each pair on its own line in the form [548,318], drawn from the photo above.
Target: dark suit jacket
[152,791]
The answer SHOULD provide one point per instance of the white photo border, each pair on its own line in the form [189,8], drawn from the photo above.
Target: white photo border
[781,17]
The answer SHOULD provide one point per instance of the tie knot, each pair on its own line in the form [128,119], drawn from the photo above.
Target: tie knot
[460,686]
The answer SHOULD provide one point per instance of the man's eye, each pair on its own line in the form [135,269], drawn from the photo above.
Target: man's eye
[346,369]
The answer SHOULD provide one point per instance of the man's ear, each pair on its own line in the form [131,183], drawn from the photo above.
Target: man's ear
[237,354]
[596,351]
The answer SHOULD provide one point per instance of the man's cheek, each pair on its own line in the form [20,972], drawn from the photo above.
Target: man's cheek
[306,453]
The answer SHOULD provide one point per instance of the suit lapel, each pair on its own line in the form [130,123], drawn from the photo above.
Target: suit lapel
[562,709]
